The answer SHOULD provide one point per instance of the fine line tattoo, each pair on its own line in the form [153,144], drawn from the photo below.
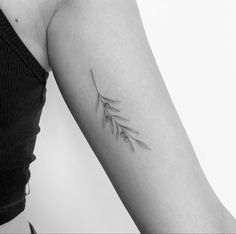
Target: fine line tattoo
[112,119]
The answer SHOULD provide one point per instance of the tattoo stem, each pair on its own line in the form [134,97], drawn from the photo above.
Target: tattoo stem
[91,71]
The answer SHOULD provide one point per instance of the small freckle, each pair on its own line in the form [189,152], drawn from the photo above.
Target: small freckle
[16,20]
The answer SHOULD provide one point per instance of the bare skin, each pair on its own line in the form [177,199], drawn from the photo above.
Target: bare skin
[31,19]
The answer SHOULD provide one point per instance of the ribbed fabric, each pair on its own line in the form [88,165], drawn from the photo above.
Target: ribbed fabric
[22,97]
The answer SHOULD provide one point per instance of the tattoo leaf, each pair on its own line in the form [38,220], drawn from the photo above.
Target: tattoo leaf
[113,109]
[120,117]
[104,119]
[110,100]
[97,105]
[142,144]
[129,129]
[117,132]
[112,126]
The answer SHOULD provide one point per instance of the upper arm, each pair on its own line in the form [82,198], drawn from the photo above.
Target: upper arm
[98,50]
[99,47]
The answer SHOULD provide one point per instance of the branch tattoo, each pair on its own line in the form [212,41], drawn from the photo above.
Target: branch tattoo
[111,117]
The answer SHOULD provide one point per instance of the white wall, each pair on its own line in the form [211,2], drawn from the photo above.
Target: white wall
[194,43]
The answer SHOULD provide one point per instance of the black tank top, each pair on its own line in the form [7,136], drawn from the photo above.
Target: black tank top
[22,97]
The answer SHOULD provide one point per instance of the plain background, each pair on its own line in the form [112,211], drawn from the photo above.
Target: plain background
[194,43]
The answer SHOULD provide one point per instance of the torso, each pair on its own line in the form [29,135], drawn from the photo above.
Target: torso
[30,20]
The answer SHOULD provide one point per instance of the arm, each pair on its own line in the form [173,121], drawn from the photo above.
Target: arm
[110,81]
